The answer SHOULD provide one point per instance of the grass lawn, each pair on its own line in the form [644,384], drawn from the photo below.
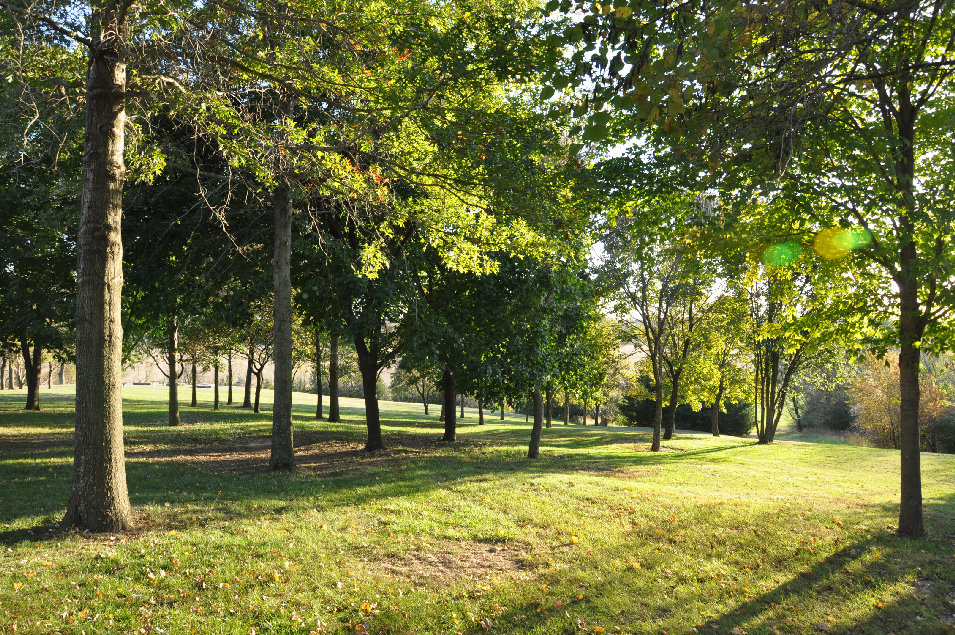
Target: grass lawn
[713,535]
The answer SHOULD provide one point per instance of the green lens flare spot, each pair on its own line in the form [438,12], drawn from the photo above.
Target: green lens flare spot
[782,254]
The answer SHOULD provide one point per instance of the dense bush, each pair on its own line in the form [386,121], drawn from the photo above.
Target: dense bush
[736,421]
[829,409]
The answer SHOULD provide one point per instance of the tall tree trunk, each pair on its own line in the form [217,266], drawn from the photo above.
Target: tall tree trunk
[32,367]
[195,381]
[795,403]
[99,498]
[247,397]
[480,410]
[502,410]
[715,414]
[229,358]
[258,389]
[462,405]
[60,377]
[585,413]
[367,365]
[318,376]
[597,414]
[549,402]
[333,414]
[49,375]
[533,450]
[566,408]
[10,375]
[283,456]
[215,385]
[450,423]
[3,366]
[910,512]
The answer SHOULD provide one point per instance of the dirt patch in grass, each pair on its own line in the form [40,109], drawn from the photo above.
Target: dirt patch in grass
[456,561]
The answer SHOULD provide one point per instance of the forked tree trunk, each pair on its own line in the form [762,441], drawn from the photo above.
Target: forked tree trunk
[99,499]
[533,450]
[247,397]
[283,456]
[258,389]
[450,422]
[333,413]
[32,364]
[229,398]
[318,376]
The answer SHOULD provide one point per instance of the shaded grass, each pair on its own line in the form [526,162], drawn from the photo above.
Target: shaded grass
[713,534]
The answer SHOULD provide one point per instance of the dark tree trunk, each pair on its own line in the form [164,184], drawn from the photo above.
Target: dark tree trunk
[480,411]
[194,382]
[657,418]
[229,361]
[548,406]
[585,413]
[283,455]
[258,389]
[670,420]
[533,450]
[215,385]
[49,375]
[32,364]
[318,376]
[462,405]
[450,423]
[715,414]
[99,498]
[597,414]
[3,367]
[60,377]
[911,523]
[502,410]
[566,408]
[10,375]
[367,365]
[333,413]
[247,398]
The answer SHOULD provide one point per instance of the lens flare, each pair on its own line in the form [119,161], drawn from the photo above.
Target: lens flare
[836,242]
[782,254]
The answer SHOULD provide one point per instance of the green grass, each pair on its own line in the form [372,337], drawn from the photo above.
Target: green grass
[599,535]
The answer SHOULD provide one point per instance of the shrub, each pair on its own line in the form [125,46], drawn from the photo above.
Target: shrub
[736,421]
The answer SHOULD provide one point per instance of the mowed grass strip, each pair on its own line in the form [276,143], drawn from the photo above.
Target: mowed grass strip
[599,535]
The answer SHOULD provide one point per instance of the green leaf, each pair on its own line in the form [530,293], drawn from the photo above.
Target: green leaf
[547,92]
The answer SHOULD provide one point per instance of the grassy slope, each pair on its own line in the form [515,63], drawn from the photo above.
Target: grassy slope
[713,534]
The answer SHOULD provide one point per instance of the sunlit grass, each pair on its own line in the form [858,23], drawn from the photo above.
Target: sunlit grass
[712,534]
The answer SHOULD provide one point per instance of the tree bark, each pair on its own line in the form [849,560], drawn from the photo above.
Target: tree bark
[49,375]
[533,450]
[548,404]
[318,376]
[247,398]
[462,405]
[10,375]
[585,413]
[502,410]
[59,377]
[32,364]
[333,413]
[566,408]
[480,411]
[215,385]
[670,421]
[367,365]
[283,455]
[450,423]
[229,358]
[99,498]
[657,418]
[911,523]
[3,367]
[597,414]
